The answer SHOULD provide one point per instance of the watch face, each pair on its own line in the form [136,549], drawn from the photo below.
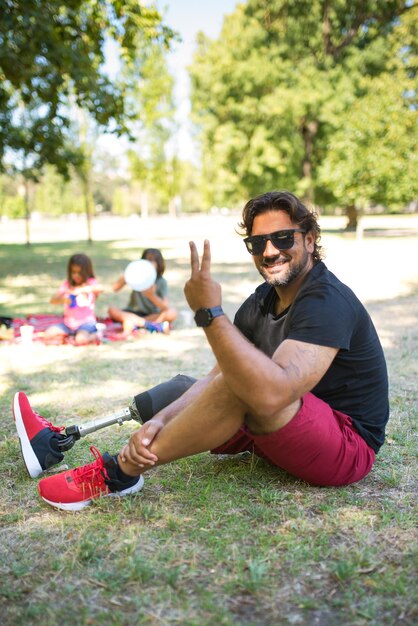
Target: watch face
[203,317]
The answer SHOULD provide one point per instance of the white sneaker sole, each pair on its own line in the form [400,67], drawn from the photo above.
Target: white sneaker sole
[31,461]
[78,506]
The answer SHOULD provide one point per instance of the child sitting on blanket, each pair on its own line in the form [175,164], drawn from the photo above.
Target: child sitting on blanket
[149,309]
[78,295]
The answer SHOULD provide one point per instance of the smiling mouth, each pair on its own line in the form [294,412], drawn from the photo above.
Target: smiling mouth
[274,261]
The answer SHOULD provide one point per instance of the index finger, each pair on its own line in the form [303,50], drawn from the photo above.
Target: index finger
[206,258]
[194,258]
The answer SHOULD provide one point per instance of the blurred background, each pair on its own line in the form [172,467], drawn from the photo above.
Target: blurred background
[115,109]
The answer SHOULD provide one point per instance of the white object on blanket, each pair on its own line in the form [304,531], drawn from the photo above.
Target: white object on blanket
[26,333]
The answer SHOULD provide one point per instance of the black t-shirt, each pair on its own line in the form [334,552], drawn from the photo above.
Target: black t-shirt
[326,312]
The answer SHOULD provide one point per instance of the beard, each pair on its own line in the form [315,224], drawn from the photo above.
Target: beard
[294,270]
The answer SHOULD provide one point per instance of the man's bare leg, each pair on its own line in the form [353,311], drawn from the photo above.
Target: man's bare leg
[210,419]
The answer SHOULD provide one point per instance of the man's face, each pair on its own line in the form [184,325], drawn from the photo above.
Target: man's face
[279,268]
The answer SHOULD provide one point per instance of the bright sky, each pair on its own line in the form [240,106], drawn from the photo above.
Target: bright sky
[188,17]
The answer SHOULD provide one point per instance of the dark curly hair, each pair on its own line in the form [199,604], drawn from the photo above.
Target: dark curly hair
[153,254]
[85,264]
[283,201]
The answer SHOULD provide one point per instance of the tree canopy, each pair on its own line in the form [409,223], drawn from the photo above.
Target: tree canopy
[288,82]
[149,162]
[52,57]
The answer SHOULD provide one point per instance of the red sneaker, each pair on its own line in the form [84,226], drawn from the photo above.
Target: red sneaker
[74,489]
[38,438]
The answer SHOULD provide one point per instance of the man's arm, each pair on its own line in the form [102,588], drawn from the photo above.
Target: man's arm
[146,434]
[167,413]
[266,385]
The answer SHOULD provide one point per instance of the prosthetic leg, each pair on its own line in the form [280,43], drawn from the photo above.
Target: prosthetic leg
[75,432]
[142,408]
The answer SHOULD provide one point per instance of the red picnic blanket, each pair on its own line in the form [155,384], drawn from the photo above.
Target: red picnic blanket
[110,330]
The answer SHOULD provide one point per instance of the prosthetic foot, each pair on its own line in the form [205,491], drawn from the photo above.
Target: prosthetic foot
[43,445]
[76,432]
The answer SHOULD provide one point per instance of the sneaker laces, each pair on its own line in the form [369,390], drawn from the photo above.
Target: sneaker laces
[57,429]
[93,473]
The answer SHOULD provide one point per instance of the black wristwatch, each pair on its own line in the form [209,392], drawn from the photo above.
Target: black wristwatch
[204,317]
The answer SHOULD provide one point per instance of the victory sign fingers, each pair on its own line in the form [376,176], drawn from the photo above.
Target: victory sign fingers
[201,290]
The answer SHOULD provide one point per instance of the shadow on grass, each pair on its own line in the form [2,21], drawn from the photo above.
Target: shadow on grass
[210,540]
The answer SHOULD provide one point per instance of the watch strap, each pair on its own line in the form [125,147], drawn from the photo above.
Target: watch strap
[216,311]
[205,316]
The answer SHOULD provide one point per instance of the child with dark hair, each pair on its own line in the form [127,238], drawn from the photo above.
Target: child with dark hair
[78,295]
[149,309]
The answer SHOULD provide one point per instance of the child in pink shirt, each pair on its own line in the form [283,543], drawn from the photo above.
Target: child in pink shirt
[78,295]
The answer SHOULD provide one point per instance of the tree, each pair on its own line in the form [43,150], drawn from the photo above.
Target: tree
[269,94]
[107,178]
[51,57]
[151,165]
[51,50]
[55,196]
[372,158]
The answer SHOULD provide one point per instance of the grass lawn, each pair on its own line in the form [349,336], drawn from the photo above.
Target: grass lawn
[209,540]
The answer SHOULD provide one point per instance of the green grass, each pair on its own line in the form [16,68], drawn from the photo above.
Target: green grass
[209,540]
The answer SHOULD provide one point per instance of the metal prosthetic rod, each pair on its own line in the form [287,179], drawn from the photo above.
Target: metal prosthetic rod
[75,432]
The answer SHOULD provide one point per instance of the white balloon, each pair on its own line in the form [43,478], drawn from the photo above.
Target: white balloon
[140,275]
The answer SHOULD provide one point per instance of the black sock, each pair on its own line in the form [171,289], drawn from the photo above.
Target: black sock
[124,478]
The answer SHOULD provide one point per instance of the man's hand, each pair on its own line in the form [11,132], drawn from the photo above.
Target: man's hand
[201,290]
[136,450]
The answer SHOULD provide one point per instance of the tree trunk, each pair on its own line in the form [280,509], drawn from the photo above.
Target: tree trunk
[27,211]
[87,204]
[85,168]
[352,217]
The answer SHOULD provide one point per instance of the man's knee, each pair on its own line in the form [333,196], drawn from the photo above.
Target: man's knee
[264,425]
[150,402]
[223,396]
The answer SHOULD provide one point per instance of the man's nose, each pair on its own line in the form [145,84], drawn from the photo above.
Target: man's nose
[270,250]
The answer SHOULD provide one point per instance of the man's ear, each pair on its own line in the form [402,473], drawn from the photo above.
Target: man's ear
[310,241]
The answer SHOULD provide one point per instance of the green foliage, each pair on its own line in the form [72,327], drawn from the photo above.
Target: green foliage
[274,95]
[53,195]
[190,187]
[56,196]
[150,164]
[209,540]
[120,202]
[372,157]
[52,56]
[12,206]
[105,180]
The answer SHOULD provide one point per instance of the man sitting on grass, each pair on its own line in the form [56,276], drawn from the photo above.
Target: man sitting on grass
[300,378]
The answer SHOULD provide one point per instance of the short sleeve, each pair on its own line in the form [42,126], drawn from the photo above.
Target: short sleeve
[323,316]
[242,318]
[63,288]
[162,287]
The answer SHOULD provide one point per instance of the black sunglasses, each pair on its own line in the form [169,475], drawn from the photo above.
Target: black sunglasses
[281,239]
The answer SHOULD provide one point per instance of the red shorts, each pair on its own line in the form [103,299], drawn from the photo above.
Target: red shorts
[318,445]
